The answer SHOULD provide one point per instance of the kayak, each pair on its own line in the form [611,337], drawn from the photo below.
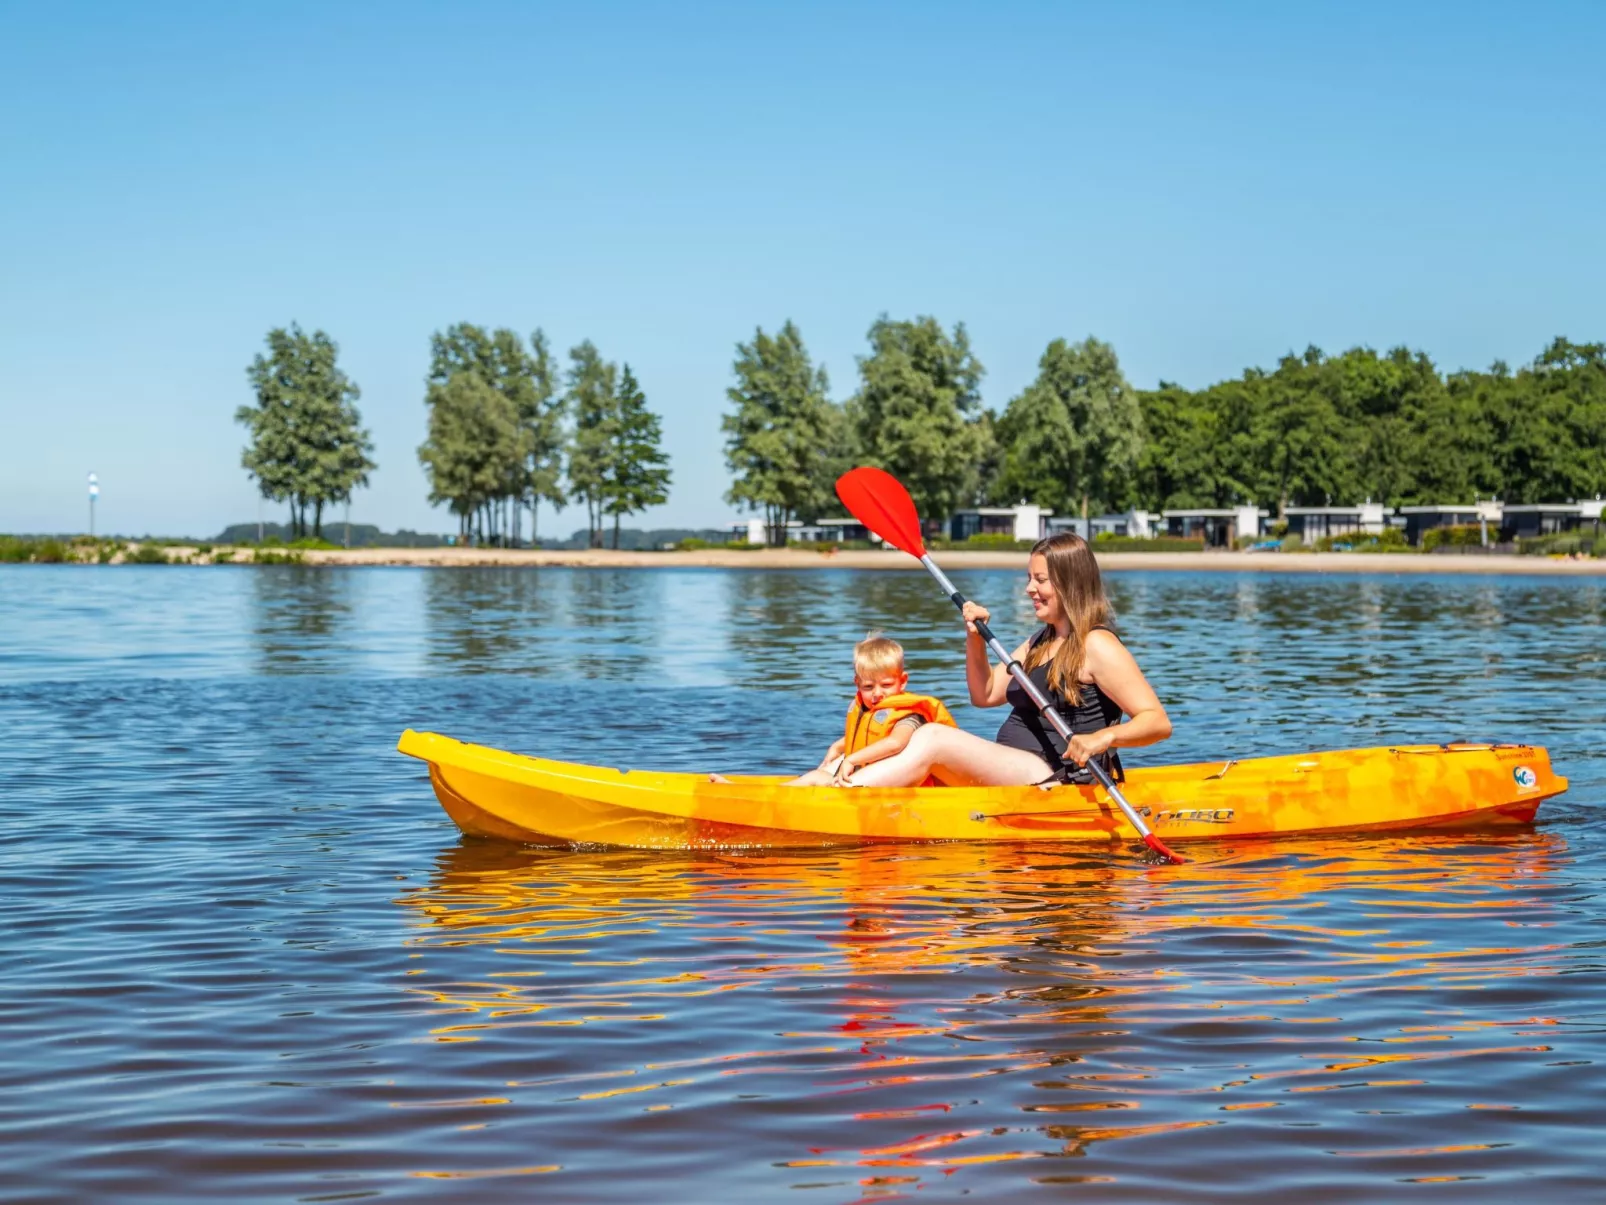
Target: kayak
[1415,788]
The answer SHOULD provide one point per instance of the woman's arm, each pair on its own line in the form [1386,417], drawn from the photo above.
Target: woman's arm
[987,682]
[1114,671]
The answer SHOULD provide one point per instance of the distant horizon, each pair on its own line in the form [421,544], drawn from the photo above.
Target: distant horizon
[1205,189]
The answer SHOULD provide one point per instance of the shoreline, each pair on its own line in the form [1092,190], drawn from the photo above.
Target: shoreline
[1113,562]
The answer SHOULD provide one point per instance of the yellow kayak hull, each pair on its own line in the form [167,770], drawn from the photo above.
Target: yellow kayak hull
[491,793]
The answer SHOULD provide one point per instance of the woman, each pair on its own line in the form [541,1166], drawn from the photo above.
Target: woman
[1076,659]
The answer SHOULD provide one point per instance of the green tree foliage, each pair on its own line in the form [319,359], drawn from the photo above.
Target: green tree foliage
[468,364]
[640,470]
[1549,424]
[784,442]
[541,415]
[1389,427]
[308,446]
[917,413]
[473,454]
[1074,437]
[591,388]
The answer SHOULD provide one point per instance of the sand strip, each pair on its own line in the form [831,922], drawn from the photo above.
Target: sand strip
[1116,562]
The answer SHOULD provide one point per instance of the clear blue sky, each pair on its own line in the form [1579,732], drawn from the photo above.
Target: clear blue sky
[1205,186]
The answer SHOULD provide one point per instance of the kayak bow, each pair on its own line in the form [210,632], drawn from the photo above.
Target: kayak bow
[491,793]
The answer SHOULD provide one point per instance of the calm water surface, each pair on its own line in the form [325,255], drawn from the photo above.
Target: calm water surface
[245,956]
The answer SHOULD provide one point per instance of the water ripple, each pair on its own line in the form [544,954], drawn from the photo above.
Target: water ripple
[246,956]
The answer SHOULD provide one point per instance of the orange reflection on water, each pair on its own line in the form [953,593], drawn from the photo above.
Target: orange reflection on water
[902,982]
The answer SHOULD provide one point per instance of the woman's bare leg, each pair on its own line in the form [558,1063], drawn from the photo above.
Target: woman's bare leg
[956,757]
[814,778]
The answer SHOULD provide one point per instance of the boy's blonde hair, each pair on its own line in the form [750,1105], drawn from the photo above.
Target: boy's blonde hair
[877,654]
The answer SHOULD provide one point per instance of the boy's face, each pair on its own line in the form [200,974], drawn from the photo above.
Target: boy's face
[873,687]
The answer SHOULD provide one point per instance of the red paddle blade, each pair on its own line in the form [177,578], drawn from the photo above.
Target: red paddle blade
[1161,850]
[878,500]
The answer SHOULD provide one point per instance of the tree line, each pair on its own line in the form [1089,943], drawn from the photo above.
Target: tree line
[504,432]
[1080,440]
[509,428]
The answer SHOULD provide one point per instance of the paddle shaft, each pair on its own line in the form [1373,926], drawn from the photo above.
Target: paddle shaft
[1050,712]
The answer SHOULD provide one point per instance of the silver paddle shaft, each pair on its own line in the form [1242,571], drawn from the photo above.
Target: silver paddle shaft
[1050,712]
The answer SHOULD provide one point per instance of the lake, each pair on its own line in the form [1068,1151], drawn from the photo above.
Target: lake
[245,956]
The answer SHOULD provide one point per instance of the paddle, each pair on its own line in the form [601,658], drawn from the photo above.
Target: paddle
[878,500]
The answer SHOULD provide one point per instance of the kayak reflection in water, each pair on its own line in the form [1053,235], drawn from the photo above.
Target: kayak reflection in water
[1075,658]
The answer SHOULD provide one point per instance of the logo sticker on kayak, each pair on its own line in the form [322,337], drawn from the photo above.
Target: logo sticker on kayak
[1525,778]
[1192,815]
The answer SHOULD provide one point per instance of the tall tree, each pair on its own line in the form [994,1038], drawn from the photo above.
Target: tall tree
[781,438]
[1075,435]
[472,452]
[1549,424]
[308,446]
[917,411]
[639,475]
[590,396]
[526,378]
[1303,444]
[541,414]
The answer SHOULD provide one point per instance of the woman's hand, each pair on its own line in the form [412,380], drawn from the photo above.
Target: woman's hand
[972,611]
[1084,746]
[844,770]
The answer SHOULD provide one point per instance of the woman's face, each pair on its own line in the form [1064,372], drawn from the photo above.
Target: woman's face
[1040,590]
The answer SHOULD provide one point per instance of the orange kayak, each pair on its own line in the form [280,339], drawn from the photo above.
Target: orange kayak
[491,793]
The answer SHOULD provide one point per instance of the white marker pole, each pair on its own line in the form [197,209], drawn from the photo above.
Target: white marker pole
[94,492]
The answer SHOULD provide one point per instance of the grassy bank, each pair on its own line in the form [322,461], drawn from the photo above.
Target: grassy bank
[91,550]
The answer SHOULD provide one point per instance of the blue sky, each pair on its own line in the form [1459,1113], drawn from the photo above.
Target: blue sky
[1205,186]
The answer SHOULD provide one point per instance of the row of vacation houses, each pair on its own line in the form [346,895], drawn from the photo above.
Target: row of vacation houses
[1223,527]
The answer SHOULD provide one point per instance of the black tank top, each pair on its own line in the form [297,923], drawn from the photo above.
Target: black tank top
[1092,710]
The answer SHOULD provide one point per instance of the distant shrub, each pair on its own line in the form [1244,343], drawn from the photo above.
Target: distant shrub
[1566,543]
[997,541]
[223,556]
[1113,543]
[146,554]
[691,544]
[1293,543]
[1390,539]
[268,556]
[1461,535]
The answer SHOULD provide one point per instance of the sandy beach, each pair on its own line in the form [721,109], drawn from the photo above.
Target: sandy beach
[797,558]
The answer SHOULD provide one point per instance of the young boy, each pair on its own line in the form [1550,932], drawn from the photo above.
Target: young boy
[881,718]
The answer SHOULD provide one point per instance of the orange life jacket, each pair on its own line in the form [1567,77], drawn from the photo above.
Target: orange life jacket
[866,727]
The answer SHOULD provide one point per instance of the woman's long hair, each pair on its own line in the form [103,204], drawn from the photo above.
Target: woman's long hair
[1080,591]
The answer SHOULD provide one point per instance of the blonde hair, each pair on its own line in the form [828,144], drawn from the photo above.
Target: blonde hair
[1080,592]
[877,654]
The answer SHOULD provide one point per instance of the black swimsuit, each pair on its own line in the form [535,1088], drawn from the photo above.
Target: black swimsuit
[1026,729]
